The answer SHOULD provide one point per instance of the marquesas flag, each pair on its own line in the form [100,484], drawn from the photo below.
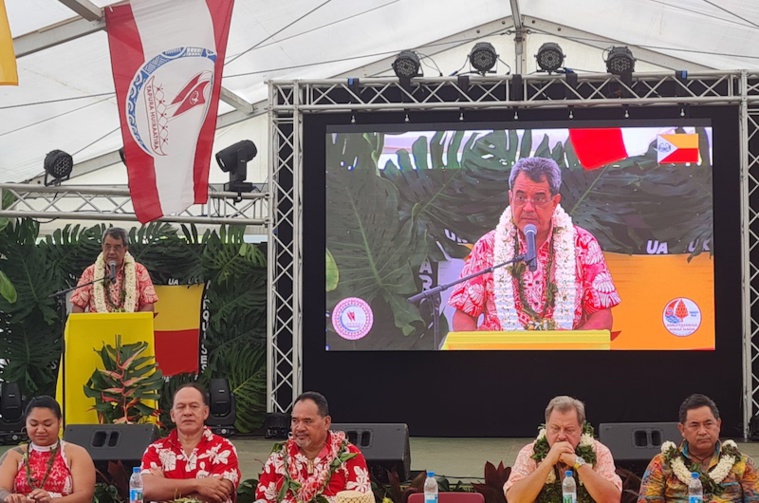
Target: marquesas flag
[167,59]
[8,70]
[677,148]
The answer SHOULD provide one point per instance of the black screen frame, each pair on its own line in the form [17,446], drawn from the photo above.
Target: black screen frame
[502,393]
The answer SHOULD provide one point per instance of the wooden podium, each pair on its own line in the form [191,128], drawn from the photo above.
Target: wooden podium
[529,340]
[84,335]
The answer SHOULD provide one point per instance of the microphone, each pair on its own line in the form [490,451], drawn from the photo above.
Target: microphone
[531,257]
[112,267]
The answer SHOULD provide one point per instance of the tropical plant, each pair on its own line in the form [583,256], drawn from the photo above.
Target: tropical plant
[495,478]
[126,383]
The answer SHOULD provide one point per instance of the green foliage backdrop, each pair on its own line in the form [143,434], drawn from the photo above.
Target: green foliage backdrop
[235,272]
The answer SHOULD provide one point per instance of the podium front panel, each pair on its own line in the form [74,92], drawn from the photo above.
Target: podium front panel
[84,337]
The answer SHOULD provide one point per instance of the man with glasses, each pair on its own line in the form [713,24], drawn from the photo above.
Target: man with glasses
[115,282]
[726,474]
[568,285]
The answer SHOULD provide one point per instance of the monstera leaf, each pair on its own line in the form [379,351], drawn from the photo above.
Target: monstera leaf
[31,349]
[376,251]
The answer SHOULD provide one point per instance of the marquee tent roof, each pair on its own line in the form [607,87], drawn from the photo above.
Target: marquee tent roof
[65,98]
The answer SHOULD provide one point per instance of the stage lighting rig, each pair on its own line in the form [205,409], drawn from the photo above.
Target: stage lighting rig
[234,160]
[483,57]
[58,165]
[12,424]
[222,408]
[620,61]
[550,57]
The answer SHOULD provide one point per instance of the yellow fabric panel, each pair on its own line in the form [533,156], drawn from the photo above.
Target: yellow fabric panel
[178,307]
[8,70]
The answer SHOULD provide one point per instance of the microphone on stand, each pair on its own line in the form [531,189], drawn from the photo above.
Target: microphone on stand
[112,266]
[531,257]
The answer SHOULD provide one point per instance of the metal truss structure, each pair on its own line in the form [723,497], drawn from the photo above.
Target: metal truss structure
[114,204]
[289,101]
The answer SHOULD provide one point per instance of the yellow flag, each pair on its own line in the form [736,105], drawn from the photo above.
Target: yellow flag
[8,71]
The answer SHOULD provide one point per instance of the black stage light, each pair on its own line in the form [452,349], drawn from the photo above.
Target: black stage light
[222,408]
[620,61]
[234,160]
[58,165]
[483,57]
[12,423]
[277,425]
[550,57]
[406,65]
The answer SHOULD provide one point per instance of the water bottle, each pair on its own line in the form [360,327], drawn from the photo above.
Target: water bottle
[135,486]
[430,488]
[695,489]
[568,488]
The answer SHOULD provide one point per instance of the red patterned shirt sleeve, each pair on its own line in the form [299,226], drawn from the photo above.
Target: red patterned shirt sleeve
[81,296]
[150,458]
[270,479]
[599,291]
[144,286]
[471,296]
[358,472]
[224,462]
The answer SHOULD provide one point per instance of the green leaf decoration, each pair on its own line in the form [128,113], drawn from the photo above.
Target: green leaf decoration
[333,273]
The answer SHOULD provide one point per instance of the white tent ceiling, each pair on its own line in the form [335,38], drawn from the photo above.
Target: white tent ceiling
[65,98]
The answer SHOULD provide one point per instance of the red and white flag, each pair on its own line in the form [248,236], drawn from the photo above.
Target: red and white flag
[596,147]
[167,59]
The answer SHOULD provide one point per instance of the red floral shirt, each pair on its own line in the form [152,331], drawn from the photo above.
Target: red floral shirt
[83,297]
[214,456]
[352,474]
[595,288]
[59,482]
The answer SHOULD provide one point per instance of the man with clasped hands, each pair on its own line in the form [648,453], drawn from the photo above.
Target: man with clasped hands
[566,443]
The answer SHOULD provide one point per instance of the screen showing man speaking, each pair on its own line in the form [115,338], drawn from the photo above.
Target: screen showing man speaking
[551,236]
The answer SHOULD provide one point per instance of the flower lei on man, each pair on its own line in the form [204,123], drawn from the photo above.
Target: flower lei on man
[728,456]
[551,492]
[560,292]
[312,488]
[127,293]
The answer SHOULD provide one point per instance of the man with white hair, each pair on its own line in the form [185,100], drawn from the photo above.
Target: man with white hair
[566,443]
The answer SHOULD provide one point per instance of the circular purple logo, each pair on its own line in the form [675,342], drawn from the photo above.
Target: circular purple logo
[352,318]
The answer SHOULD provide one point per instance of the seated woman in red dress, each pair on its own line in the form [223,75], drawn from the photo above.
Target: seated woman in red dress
[47,470]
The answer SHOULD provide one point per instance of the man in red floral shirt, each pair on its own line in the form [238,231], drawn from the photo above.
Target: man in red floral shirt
[570,287]
[191,461]
[315,461]
[126,288]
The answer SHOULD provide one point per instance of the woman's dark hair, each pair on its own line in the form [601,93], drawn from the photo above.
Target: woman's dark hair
[43,402]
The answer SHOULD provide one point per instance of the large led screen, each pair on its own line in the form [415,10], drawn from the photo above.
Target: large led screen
[601,239]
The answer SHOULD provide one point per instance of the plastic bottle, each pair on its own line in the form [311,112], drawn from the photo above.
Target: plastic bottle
[430,488]
[135,486]
[695,489]
[568,488]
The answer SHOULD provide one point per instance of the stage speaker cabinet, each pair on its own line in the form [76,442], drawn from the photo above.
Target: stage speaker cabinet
[112,442]
[12,423]
[384,445]
[637,442]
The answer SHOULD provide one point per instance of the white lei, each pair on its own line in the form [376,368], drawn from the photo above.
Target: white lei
[585,440]
[717,474]
[130,285]
[564,236]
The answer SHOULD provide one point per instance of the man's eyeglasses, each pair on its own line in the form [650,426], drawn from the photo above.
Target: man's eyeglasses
[538,200]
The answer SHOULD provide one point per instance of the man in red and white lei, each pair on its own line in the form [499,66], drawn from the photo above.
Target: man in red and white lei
[131,289]
[315,463]
[571,288]
[191,461]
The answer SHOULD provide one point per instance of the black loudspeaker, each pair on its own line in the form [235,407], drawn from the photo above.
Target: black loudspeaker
[384,445]
[222,408]
[12,423]
[112,442]
[277,425]
[634,445]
